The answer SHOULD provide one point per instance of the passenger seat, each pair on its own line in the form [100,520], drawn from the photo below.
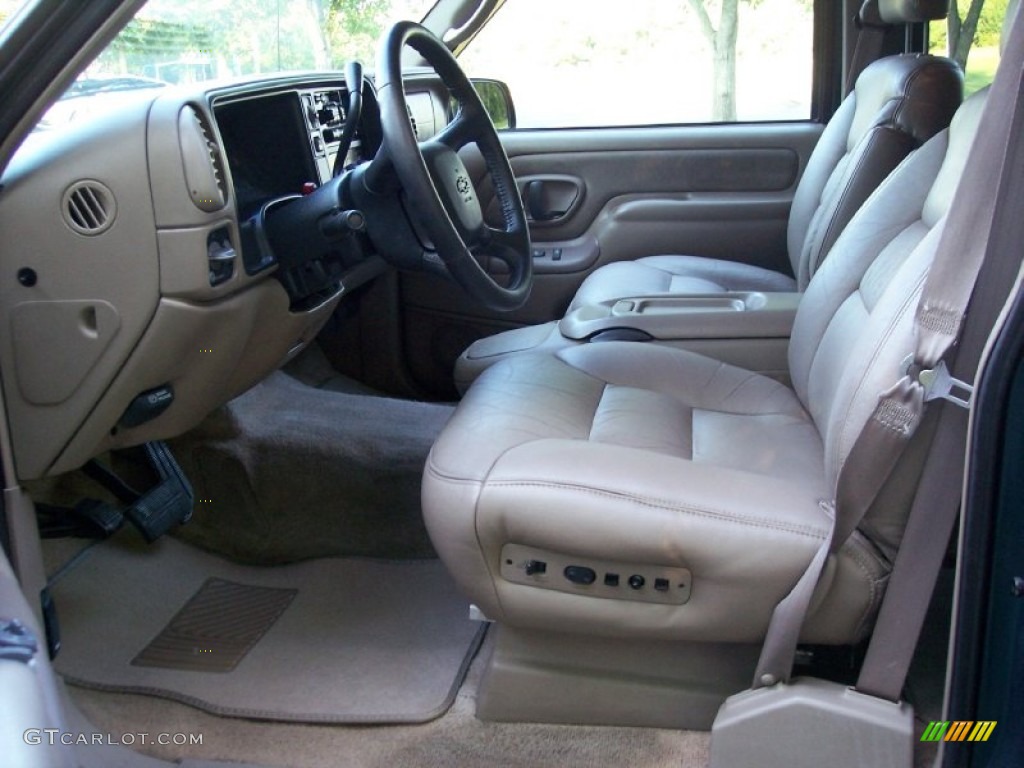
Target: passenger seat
[897,104]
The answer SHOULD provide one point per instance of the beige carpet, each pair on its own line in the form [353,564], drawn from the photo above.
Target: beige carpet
[355,633]
[456,740]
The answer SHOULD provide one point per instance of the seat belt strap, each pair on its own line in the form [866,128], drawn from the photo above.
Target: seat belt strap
[935,509]
[871,32]
[939,321]
[918,561]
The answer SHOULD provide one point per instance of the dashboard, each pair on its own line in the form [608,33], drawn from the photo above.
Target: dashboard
[147,291]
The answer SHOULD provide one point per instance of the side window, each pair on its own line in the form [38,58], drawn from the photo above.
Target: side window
[970,36]
[580,63]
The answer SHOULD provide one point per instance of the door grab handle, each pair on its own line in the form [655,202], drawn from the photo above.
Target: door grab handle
[535,204]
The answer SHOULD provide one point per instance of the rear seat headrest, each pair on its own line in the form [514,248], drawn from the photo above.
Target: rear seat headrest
[908,11]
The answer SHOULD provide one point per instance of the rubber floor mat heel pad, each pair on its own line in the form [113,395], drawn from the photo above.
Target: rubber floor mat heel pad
[216,628]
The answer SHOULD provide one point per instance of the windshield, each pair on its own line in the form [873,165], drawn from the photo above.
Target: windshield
[172,42]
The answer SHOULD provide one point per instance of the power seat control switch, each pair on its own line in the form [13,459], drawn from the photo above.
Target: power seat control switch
[535,567]
[594,578]
[580,574]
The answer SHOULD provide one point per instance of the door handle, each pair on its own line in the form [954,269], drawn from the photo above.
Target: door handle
[537,206]
[550,199]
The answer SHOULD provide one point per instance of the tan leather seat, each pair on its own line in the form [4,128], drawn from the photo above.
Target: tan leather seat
[898,103]
[642,455]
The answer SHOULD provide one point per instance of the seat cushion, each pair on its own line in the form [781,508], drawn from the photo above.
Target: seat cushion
[675,275]
[640,455]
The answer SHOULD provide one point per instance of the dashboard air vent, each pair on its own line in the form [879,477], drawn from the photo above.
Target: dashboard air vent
[89,207]
[201,157]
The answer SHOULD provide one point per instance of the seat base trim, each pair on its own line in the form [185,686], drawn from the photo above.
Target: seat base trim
[549,677]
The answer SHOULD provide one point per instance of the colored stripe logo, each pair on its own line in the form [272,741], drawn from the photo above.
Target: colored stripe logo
[959,730]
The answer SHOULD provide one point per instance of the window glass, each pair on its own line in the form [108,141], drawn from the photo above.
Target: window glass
[7,10]
[171,42]
[644,62]
[977,53]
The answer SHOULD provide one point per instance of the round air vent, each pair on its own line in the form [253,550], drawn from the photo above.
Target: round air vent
[89,207]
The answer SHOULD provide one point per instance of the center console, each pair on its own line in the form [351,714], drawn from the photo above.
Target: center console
[748,329]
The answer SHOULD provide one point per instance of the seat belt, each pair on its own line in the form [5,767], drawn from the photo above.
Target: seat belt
[939,321]
[871,31]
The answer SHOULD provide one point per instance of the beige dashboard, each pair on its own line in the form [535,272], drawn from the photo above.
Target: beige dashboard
[124,276]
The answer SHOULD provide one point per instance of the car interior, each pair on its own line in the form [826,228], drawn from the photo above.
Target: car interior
[342,426]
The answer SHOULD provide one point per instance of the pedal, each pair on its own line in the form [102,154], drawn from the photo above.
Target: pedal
[167,504]
[88,519]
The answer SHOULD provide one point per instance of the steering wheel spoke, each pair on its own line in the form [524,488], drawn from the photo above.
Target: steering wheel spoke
[458,133]
[436,183]
[500,243]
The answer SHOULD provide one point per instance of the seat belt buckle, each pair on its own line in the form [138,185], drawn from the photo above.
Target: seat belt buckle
[939,384]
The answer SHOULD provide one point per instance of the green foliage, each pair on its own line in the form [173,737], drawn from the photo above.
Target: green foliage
[981,68]
[495,103]
[990,26]
[352,28]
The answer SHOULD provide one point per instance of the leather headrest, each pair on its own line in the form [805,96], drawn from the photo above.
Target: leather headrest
[906,11]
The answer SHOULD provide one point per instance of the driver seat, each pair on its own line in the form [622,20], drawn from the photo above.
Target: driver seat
[560,476]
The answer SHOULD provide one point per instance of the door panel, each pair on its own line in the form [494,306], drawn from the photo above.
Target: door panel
[722,191]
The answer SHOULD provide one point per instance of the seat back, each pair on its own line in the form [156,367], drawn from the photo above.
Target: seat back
[897,104]
[855,323]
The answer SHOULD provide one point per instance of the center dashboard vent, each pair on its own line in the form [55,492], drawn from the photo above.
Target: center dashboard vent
[89,207]
[202,160]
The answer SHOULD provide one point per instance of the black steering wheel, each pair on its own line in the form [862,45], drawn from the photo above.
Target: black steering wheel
[438,189]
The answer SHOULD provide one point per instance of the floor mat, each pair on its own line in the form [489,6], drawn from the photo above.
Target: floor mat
[323,641]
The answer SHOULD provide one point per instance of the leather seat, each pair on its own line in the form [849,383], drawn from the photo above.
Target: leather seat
[644,455]
[897,104]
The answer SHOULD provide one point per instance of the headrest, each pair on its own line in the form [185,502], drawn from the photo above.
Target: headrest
[907,11]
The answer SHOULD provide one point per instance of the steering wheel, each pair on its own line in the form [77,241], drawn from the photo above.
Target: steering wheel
[438,187]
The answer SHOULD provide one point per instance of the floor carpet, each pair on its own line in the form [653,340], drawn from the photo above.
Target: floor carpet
[456,740]
[322,641]
[290,472]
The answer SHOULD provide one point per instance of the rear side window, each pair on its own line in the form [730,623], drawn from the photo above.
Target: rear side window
[581,63]
[970,35]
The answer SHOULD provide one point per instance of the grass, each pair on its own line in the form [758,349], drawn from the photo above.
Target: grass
[981,68]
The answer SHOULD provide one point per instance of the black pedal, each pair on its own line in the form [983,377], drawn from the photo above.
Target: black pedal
[88,519]
[167,504]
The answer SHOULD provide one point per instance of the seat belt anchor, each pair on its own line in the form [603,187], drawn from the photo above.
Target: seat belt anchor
[939,384]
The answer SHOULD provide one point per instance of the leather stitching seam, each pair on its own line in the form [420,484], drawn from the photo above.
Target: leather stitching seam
[714,514]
